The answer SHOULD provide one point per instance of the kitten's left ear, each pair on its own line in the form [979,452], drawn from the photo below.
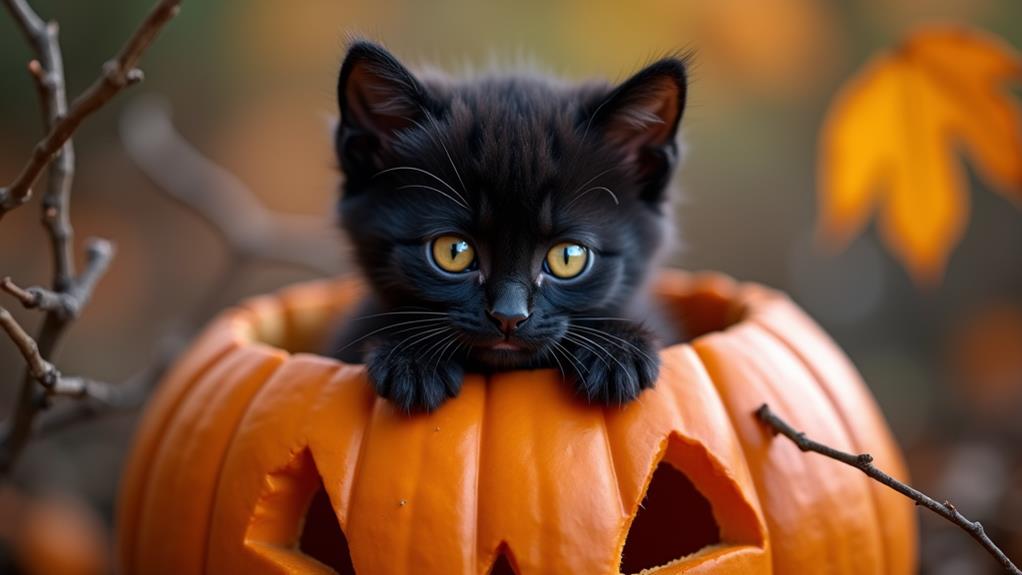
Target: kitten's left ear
[378,99]
[641,117]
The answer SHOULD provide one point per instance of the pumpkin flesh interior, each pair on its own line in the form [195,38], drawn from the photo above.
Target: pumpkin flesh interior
[674,520]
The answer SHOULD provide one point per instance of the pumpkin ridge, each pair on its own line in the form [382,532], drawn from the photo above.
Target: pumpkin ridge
[128,548]
[480,452]
[700,362]
[280,356]
[757,482]
[746,346]
[356,477]
[784,403]
[812,371]
[197,444]
[613,460]
[343,373]
[784,406]
[414,508]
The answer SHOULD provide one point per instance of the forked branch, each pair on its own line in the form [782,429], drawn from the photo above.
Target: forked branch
[45,373]
[864,462]
[117,74]
[69,292]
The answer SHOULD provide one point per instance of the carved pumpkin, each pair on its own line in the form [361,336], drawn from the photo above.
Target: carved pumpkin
[251,459]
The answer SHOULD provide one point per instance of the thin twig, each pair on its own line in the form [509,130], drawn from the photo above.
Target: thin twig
[48,74]
[44,372]
[128,395]
[864,462]
[31,399]
[38,367]
[118,73]
[67,305]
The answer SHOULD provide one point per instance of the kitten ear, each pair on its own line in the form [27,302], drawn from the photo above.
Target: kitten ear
[641,117]
[378,98]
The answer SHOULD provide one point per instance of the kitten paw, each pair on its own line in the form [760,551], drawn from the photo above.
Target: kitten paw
[409,382]
[614,371]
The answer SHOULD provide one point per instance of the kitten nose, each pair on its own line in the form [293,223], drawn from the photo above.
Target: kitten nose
[510,307]
[508,322]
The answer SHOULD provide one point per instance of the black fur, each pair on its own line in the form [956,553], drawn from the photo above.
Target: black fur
[514,164]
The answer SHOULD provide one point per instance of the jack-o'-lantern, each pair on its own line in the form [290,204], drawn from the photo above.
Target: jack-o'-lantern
[256,458]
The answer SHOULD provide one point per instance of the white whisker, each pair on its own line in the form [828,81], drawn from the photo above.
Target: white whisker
[594,189]
[570,356]
[610,355]
[607,318]
[462,203]
[449,159]
[437,190]
[427,335]
[598,351]
[440,356]
[591,180]
[436,345]
[370,316]
[560,366]
[391,326]
[611,337]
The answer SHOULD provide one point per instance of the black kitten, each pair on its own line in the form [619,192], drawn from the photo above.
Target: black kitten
[504,222]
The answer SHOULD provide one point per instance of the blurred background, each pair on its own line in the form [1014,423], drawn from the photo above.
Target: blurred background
[251,84]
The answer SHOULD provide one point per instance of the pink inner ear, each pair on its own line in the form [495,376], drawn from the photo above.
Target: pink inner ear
[376,104]
[647,119]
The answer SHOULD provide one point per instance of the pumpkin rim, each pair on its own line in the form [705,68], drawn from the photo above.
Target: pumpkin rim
[743,300]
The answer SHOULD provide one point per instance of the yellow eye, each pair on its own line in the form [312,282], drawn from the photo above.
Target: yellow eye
[453,254]
[566,260]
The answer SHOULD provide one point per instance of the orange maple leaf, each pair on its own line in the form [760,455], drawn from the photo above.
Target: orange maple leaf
[890,138]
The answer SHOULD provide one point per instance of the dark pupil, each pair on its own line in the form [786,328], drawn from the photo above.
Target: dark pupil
[571,251]
[456,249]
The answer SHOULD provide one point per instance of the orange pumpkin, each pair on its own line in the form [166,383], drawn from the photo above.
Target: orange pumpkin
[253,459]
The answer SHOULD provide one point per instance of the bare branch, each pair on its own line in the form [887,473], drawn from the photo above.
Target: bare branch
[39,368]
[250,231]
[117,74]
[128,395]
[69,292]
[31,297]
[44,372]
[67,305]
[48,74]
[864,462]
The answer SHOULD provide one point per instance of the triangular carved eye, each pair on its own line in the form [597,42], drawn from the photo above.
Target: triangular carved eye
[502,565]
[673,520]
[322,538]
[294,525]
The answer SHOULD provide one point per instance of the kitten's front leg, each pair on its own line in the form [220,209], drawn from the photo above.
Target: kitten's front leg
[613,361]
[413,380]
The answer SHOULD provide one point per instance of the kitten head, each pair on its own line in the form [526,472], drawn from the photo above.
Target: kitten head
[514,204]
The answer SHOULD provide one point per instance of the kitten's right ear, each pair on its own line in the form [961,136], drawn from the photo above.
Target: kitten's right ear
[378,98]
